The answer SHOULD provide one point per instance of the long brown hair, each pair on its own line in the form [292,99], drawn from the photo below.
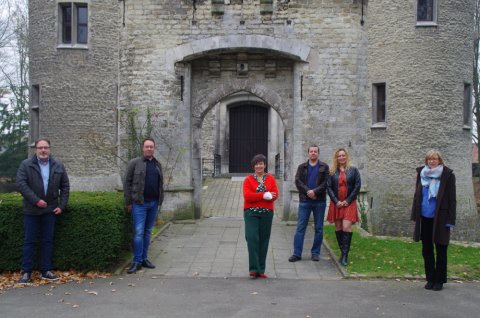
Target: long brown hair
[334,165]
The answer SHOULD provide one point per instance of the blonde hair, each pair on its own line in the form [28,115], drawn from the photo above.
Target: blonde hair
[434,153]
[334,166]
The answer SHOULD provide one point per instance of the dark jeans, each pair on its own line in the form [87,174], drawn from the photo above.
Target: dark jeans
[258,227]
[35,225]
[435,270]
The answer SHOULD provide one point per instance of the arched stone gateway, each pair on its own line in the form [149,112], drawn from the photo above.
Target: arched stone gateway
[223,93]
[218,70]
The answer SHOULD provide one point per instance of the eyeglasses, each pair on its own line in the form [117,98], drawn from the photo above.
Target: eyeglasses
[44,147]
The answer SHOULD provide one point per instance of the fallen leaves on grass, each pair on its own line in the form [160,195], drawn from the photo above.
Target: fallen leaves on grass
[10,279]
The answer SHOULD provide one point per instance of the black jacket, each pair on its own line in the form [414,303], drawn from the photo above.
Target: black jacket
[301,181]
[30,185]
[354,183]
[445,212]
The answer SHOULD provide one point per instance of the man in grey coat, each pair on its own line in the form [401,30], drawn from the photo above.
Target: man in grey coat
[143,191]
[44,185]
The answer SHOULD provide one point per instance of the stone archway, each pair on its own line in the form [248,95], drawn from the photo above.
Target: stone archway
[269,97]
[207,77]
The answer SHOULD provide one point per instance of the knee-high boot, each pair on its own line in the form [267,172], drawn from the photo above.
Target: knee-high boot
[347,239]
[339,235]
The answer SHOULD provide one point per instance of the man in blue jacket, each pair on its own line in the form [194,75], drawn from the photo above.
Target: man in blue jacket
[44,185]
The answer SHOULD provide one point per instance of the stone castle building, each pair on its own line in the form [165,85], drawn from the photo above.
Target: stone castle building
[226,79]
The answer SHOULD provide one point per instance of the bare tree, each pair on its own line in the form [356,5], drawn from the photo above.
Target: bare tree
[14,112]
[5,31]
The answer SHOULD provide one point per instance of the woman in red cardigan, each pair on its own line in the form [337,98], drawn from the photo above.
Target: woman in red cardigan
[259,192]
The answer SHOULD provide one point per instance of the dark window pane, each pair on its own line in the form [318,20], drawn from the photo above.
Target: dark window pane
[380,103]
[82,24]
[467,108]
[82,15]
[82,34]
[425,10]
[66,24]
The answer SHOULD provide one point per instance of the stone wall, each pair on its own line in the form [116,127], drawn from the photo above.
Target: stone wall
[78,89]
[317,100]
[424,68]
[317,64]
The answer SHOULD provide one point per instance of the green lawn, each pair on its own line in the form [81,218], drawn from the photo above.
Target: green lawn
[373,257]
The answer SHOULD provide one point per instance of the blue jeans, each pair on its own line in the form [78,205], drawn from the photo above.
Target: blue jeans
[35,225]
[143,216]
[304,209]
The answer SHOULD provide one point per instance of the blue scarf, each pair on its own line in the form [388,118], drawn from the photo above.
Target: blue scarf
[431,178]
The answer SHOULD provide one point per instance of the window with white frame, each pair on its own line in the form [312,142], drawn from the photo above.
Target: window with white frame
[427,12]
[467,105]
[378,103]
[73,24]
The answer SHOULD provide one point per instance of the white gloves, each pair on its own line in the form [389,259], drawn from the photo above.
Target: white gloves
[267,196]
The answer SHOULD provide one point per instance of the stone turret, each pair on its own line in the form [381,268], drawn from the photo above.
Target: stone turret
[423,63]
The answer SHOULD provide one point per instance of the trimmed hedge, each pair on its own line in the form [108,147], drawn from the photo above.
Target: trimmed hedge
[92,234]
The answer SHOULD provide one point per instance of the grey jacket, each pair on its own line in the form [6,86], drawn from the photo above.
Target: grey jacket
[30,185]
[134,186]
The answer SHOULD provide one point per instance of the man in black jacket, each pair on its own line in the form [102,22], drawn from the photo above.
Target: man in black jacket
[311,181]
[143,192]
[44,185]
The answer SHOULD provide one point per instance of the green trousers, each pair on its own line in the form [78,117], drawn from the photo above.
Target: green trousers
[258,227]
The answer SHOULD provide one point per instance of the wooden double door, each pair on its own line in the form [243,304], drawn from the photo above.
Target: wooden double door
[248,135]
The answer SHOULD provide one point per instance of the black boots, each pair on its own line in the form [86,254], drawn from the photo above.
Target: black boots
[339,235]
[345,248]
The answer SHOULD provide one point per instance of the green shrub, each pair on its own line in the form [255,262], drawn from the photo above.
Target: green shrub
[91,234]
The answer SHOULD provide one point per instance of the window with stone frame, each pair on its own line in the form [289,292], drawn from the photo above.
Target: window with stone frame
[467,105]
[426,12]
[379,103]
[73,24]
[34,114]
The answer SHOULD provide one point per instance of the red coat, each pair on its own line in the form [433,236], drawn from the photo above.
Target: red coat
[253,199]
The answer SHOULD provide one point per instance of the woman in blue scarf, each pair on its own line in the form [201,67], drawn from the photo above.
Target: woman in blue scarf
[433,214]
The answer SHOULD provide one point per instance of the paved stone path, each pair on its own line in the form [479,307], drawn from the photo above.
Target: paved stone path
[215,246]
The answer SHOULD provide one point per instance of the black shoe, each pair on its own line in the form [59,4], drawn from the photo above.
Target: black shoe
[437,286]
[315,258]
[134,267]
[147,264]
[48,275]
[429,285]
[25,279]
[294,258]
